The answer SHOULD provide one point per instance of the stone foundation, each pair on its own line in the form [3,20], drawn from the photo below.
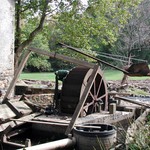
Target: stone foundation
[7,18]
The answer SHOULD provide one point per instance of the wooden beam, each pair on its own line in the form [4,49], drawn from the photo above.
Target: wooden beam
[55,123]
[82,100]
[62,57]
[90,56]
[16,75]
[132,101]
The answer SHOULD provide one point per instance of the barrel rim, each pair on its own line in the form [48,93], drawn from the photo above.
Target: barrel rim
[105,133]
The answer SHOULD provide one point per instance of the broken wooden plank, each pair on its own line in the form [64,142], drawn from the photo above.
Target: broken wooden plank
[82,100]
[7,113]
[6,127]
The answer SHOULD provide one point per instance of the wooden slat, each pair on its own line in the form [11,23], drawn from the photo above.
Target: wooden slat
[83,99]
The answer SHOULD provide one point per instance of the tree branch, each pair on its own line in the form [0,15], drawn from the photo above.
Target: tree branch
[32,34]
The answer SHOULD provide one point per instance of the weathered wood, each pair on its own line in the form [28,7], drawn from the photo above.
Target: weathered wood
[16,75]
[90,56]
[62,57]
[56,123]
[6,127]
[7,113]
[82,100]
[132,101]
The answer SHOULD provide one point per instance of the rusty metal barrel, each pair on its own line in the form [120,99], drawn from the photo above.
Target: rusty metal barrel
[95,136]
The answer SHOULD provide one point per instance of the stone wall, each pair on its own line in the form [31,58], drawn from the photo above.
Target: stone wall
[7,26]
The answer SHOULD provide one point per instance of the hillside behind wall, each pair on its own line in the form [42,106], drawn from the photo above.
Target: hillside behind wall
[7,26]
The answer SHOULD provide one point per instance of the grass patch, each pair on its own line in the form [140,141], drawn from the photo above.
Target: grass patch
[108,75]
[38,76]
[118,75]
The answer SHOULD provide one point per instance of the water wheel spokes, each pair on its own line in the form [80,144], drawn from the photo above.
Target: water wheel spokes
[97,96]
[74,86]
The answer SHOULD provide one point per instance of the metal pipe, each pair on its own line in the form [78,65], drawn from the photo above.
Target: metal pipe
[64,143]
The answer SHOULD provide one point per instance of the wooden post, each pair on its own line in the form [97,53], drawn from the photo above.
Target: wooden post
[82,100]
[16,75]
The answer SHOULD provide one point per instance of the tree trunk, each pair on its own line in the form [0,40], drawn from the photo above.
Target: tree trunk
[19,48]
[125,77]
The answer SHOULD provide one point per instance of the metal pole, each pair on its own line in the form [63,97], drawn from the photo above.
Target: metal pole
[53,145]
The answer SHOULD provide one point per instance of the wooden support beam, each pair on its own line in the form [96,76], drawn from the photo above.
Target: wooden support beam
[55,123]
[62,57]
[16,75]
[82,100]
[132,101]
[90,56]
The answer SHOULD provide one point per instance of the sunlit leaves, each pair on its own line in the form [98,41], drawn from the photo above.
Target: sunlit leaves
[102,20]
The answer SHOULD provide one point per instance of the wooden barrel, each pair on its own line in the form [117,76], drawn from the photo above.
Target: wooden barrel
[95,137]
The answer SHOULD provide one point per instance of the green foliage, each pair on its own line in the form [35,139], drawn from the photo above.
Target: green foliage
[141,139]
[99,23]
[87,27]
[39,62]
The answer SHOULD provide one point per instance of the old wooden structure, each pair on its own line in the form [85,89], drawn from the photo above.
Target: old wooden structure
[84,99]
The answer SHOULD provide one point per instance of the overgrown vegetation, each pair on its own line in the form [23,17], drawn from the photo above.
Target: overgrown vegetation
[141,138]
[94,26]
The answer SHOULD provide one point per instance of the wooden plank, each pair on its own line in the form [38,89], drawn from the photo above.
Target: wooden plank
[132,101]
[11,124]
[83,99]
[6,112]
[90,56]
[16,75]
[22,107]
[62,57]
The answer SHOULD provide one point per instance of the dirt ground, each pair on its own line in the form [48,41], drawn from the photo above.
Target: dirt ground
[135,87]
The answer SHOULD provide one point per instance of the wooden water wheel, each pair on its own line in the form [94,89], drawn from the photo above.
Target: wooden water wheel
[73,87]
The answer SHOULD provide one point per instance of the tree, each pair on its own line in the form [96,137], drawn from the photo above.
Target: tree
[133,38]
[76,24]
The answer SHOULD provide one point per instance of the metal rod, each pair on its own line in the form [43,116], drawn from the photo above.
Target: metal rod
[64,143]
[104,62]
